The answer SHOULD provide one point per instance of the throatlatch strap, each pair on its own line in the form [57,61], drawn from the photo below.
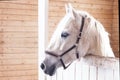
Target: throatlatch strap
[79,36]
[77,55]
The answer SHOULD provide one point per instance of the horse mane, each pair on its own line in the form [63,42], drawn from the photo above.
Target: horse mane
[103,40]
[100,35]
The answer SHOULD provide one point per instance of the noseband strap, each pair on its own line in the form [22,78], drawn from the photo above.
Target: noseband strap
[72,47]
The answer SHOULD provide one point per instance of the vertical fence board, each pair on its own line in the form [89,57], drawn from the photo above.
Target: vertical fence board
[68,74]
[59,74]
[116,75]
[65,74]
[54,77]
[85,72]
[101,74]
[48,77]
[108,74]
[93,73]
[78,71]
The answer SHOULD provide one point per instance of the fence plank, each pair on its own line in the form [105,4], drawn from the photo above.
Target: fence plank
[68,74]
[108,74]
[78,71]
[93,73]
[101,74]
[60,74]
[47,77]
[85,72]
[65,74]
[54,77]
[116,75]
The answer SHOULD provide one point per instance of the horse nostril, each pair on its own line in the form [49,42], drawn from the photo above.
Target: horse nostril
[42,66]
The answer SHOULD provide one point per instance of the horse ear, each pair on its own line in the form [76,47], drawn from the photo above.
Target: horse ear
[87,22]
[87,19]
[71,10]
[74,13]
[66,8]
[70,6]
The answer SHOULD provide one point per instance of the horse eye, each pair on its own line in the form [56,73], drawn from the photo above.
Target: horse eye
[64,34]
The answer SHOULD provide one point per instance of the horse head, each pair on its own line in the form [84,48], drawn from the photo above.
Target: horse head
[76,35]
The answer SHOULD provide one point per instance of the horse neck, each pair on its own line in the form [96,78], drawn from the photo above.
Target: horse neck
[102,44]
[96,42]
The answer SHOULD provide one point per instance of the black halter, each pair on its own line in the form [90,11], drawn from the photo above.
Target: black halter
[74,46]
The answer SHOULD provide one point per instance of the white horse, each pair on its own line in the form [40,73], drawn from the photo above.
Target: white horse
[77,35]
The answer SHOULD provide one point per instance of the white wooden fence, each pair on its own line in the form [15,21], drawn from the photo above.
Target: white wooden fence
[105,69]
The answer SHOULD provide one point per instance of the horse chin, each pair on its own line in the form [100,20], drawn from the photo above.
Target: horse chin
[51,71]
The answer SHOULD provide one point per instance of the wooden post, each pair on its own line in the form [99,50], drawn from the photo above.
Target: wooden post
[42,33]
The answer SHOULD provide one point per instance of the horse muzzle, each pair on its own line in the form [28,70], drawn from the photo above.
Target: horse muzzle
[48,70]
